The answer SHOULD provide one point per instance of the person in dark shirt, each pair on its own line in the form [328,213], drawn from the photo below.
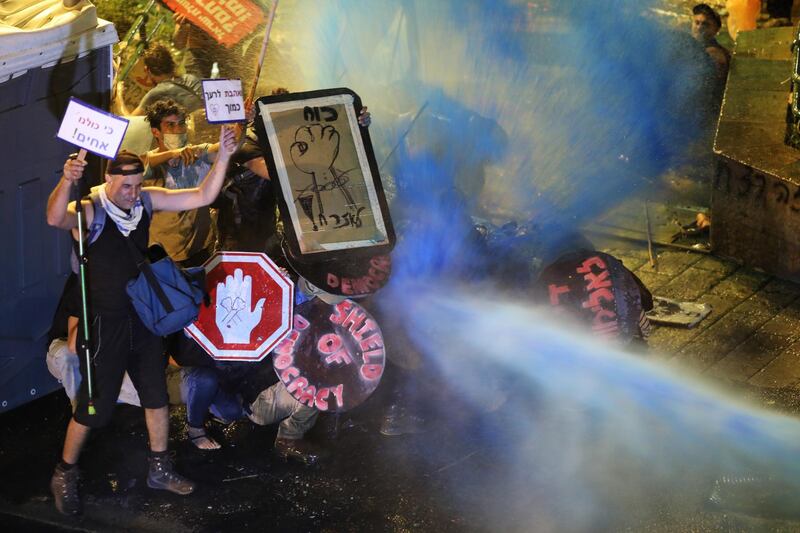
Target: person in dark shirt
[120,341]
[159,65]
[706,24]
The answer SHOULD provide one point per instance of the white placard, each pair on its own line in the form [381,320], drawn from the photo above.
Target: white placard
[224,101]
[91,128]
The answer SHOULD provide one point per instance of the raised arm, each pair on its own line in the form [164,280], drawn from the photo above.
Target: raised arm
[60,211]
[206,192]
[180,38]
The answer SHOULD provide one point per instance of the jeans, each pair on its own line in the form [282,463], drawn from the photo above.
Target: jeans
[202,393]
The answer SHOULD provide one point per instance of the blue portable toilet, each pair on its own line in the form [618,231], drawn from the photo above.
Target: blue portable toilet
[49,51]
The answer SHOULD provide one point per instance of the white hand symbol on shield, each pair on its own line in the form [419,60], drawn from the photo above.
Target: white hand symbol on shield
[235,319]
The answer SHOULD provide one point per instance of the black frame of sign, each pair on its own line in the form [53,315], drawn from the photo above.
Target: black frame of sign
[316,114]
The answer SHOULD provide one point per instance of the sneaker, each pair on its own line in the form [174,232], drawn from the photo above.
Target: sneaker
[299,450]
[161,475]
[398,421]
[64,486]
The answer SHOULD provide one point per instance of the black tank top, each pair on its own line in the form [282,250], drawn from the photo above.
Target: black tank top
[111,266]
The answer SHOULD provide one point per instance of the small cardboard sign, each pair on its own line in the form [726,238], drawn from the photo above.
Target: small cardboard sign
[224,101]
[93,129]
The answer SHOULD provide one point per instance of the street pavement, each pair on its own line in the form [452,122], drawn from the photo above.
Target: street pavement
[751,337]
[427,482]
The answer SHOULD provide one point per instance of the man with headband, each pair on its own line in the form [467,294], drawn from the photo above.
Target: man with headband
[120,342]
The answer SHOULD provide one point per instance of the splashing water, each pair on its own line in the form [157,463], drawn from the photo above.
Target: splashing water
[546,109]
[591,438]
[551,111]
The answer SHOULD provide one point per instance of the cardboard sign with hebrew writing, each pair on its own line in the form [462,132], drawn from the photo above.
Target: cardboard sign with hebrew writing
[93,129]
[331,197]
[223,100]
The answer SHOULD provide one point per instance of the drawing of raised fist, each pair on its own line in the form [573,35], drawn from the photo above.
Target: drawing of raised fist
[315,148]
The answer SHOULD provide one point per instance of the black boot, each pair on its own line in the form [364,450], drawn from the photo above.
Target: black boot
[64,486]
[162,475]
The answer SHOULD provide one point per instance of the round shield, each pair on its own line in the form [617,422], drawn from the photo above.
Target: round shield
[333,359]
[596,289]
[354,275]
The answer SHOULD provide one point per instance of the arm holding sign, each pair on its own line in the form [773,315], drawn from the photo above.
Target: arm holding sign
[60,211]
[207,191]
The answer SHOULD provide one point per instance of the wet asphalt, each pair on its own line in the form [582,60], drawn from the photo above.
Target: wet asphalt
[434,481]
[368,482]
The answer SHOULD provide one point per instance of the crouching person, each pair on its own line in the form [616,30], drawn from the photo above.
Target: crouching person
[119,341]
[62,353]
[275,403]
[233,390]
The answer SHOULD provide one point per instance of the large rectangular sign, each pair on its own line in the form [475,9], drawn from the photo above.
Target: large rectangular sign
[223,100]
[227,21]
[93,129]
[326,171]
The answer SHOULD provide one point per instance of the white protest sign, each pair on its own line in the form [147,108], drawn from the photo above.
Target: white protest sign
[224,101]
[92,129]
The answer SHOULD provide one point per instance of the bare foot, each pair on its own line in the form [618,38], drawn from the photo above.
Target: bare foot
[200,439]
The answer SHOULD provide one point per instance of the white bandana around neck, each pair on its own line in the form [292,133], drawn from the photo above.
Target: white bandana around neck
[126,222]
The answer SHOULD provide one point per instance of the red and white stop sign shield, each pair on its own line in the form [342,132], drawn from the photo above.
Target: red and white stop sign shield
[334,357]
[251,307]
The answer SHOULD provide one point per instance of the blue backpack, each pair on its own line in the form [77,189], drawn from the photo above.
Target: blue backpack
[166,297]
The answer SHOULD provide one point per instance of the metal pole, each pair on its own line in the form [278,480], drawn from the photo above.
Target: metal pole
[252,92]
[82,261]
[653,261]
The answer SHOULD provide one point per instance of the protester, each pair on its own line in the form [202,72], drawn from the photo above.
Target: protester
[233,390]
[248,202]
[247,222]
[64,365]
[187,89]
[706,24]
[188,236]
[120,342]
[62,357]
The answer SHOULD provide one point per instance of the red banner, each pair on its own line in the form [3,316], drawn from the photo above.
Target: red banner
[227,21]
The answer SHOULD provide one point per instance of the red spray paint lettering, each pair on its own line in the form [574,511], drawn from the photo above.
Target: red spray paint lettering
[598,286]
[331,345]
[365,331]
[555,292]
[379,270]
